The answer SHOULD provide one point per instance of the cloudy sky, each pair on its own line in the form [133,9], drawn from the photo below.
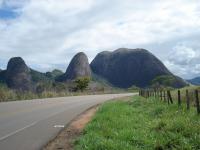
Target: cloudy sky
[47,33]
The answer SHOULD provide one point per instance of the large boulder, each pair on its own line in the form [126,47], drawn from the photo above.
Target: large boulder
[78,67]
[127,67]
[18,75]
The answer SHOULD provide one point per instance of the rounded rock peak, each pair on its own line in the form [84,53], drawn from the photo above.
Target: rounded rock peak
[127,67]
[78,67]
[18,74]
[16,62]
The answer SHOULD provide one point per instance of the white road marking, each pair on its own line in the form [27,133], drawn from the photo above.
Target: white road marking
[59,126]
[15,132]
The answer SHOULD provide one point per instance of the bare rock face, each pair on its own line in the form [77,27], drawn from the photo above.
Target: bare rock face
[127,67]
[78,67]
[18,75]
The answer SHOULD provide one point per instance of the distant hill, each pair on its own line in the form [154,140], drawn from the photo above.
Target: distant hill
[54,74]
[127,67]
[37,76]
[195,81]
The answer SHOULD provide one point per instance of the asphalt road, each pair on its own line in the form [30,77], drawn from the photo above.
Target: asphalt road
[29,125]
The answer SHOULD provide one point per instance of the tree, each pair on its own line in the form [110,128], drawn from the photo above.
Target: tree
[82,83]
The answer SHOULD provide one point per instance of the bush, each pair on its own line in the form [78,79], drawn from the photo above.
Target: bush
[82,83]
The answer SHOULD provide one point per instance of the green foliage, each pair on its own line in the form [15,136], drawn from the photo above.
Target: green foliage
[163,81]
[54,74]
[140,124]
[38,76]
[82,83]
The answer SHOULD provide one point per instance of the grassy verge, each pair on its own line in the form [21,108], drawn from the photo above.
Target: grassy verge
[141,124]
[7,94]
[191,90]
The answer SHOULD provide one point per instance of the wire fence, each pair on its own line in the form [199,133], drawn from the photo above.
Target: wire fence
[166,96]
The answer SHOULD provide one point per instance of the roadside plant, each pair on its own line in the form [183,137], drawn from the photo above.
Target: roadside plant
[82,83]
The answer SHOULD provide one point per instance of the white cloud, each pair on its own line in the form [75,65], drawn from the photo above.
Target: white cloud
[50,32]
[183,55]
[184,61]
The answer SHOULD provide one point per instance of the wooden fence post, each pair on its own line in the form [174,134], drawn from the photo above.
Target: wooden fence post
[164,95]
[179,98]
[161,95]
[156,93]
[187,100]
[169,97]
[197,101]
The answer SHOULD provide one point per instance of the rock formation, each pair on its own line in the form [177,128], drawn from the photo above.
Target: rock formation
[78,67]
[127,67]
[18,75]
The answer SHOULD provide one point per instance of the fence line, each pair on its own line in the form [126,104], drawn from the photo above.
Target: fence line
[165,95]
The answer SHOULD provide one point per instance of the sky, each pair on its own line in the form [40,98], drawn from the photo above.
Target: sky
[48,33]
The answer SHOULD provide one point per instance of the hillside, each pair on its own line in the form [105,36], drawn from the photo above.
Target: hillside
[195,81]
[168,81]
[127,67]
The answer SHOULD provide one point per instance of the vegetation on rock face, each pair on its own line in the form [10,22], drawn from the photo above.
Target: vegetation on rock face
[167,81]
[141,124]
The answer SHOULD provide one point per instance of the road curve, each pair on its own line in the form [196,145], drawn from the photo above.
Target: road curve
[29,125]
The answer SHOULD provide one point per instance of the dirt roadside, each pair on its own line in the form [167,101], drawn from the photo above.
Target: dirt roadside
[64,140]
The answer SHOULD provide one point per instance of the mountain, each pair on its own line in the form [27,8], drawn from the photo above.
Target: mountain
[127,67]
[195,81]
[18,75]
[78,67]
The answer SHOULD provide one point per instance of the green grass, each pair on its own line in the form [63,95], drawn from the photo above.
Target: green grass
[191,90]
[141,124]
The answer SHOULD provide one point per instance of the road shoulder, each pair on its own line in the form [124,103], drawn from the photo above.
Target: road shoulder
[64,140]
